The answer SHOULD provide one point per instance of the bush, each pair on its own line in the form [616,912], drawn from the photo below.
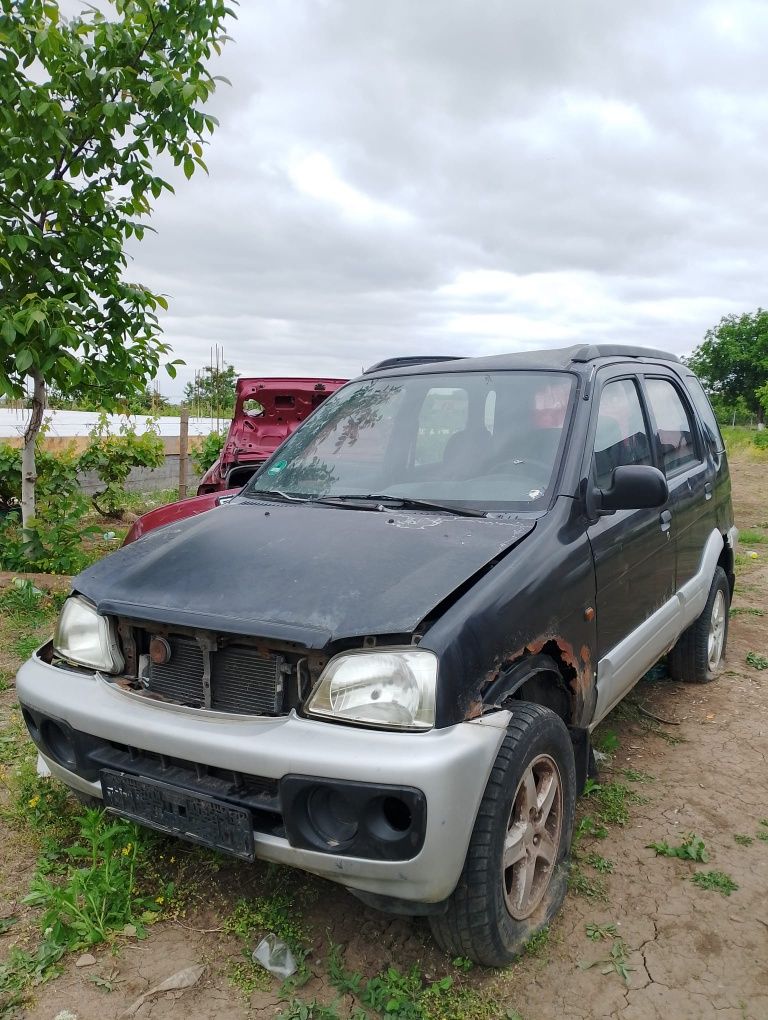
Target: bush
[113,456]
[207,453]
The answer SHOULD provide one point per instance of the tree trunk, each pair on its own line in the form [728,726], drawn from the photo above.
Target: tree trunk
[28,473]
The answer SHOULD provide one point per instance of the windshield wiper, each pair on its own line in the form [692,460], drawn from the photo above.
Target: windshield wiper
[275,493]
[404,502]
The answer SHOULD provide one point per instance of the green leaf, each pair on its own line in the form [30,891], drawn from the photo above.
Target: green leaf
[189,167]
[156,87]
[24,359]
[8,331]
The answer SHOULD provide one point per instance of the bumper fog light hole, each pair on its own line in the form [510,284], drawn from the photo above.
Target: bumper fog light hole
[332,816]
[397,813]
[58,743]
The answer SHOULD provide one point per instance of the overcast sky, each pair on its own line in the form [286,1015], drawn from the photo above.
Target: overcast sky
[455,176]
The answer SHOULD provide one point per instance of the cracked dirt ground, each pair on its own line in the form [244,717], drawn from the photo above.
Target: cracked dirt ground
[693,953]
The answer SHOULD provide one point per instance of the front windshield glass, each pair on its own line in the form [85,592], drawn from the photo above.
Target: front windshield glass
[488,441]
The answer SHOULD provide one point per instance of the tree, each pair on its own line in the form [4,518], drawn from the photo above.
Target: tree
[214,388]
[732,362]
[85,105]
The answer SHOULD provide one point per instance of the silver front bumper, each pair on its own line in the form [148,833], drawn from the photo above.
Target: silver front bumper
[451,766]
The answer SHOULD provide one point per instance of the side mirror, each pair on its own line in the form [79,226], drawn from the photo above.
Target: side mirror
[633,487]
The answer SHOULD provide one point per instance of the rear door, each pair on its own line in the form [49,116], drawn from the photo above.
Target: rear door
[690,473]
[633,550]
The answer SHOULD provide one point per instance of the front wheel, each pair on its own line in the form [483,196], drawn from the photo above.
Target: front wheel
[515,874]
[700,650]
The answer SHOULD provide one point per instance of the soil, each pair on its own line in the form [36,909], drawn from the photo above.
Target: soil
[693,953]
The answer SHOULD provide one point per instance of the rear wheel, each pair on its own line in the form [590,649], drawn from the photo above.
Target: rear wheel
[700,650]
[515,874]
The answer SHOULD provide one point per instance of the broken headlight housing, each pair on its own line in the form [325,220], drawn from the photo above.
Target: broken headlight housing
[392,688]
[85,638]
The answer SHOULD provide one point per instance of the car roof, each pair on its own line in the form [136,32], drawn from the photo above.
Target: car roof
[575,358]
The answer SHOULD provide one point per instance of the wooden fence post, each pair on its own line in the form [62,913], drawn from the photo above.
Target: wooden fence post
[183,451]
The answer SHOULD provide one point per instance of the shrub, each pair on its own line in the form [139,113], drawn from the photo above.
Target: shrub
[207,453]
[113,456]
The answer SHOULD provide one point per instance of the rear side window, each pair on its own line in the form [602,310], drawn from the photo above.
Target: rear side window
[707,415]
[675,431]
[621,437]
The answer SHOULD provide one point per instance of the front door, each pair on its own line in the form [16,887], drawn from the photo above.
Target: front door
[633,550]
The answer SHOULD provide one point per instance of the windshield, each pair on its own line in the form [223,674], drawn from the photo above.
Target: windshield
[489,441]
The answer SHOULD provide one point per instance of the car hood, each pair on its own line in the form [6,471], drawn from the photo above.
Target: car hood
[306,573]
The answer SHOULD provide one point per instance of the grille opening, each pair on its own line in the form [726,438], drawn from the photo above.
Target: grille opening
[239,679]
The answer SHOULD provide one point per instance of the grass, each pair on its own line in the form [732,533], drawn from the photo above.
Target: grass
[590,887]
[716,880]
[746,611]
[742,839]
[752,537]
[637,776]
[600,864]
[612,801]
[537,943]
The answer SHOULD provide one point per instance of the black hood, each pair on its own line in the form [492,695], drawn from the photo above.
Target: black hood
[305,573]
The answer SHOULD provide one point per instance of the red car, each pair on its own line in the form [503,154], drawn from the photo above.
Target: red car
[267,411]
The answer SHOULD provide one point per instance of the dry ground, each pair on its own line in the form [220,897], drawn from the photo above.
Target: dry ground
[693,953]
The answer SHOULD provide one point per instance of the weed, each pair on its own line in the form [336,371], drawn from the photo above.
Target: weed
[276,913]
[746,611]
[462,963]
[764,821]
[763,835]
[605,741]
[22,598]
[314,1010]
[537,943]
[757,661]
[715,880]
[6,923]
[596,932]
[97,894]
[591,888]
[108,982]
[248,976]
[614,963]
[637,776]
[613,800]
[589,828]
[23,968]
[601,864]
[404,996]
[24,646]
[691,849]
[742,839]
[5,680]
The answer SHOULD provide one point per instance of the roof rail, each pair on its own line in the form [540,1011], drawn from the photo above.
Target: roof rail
[415,359]
[590,352]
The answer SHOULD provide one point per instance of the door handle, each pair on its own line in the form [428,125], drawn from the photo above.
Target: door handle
[665,519]
[708,490]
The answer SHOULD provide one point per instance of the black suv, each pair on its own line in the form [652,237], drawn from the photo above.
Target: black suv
[382,661]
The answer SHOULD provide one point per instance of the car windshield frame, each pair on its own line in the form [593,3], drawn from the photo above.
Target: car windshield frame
[272,476]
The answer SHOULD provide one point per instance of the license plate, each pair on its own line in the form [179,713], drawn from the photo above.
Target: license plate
[192,816]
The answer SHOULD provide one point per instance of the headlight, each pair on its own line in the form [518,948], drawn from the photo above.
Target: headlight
[391,689]
[85,638]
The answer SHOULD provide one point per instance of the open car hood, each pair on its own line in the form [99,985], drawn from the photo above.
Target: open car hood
[305,573]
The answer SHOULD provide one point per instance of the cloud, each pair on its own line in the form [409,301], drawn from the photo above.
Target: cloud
[458,177]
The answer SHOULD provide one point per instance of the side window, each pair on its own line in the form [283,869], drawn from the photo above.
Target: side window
[707,415]
[443,414]
[621,437]
[675,431]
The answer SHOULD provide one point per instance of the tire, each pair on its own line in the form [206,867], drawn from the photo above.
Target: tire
[489,918]
[699,651]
